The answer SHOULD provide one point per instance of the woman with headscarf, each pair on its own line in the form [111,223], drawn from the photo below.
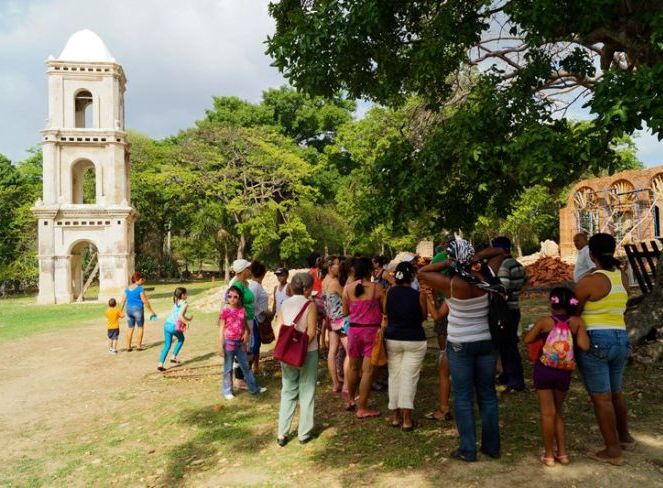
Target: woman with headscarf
[472,355]
[602,296]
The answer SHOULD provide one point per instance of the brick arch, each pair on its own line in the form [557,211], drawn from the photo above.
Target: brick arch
[620,192]
[583,197]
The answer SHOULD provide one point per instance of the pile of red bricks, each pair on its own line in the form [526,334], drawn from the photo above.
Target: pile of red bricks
[548,271]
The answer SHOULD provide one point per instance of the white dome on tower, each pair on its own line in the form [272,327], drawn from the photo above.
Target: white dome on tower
[85,45]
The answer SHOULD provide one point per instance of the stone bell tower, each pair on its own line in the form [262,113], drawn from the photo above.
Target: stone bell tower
[86,200]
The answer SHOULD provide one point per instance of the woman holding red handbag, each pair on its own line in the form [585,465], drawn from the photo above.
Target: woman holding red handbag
[298,318]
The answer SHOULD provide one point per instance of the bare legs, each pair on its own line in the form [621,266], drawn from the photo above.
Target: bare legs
[610,411]
[334,342]
[444,385]
[402,417]
[364,385]
[553,429]
[130,334]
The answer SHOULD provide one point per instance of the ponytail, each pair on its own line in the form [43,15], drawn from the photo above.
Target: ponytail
[178,294]
[363,270]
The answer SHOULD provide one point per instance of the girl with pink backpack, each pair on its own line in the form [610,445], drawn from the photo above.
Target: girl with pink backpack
[559,332]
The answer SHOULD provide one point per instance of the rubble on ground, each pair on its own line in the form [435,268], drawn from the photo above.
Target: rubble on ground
[548,271]
[213,299]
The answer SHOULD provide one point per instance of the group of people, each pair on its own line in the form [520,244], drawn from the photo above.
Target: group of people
[348,304]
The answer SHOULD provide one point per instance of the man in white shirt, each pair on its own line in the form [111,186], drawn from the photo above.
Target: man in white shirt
[584,263]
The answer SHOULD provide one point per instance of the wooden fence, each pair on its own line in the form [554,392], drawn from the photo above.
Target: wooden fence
[643,262]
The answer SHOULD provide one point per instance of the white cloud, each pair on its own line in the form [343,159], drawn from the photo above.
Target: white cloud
[650,149]
[176,55]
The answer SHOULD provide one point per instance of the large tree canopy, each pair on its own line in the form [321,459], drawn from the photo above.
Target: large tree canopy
[553,50]
[492,81]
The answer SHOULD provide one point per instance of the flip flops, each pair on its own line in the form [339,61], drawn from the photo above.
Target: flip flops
[615,461]
[563,460]
[549,462]
[445,417]
[367,414]
[415,425]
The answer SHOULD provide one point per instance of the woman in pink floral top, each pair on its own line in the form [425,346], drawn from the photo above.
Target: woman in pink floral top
[234,336]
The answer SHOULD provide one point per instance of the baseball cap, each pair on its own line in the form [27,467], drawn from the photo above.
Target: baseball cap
[240,265]
[281,271]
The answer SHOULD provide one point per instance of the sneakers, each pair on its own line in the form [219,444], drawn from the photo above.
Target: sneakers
[263,389]
[229,396]
[112,351]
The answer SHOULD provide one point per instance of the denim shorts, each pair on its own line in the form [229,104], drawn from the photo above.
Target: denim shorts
[113,334]
[602,366]
[135,317]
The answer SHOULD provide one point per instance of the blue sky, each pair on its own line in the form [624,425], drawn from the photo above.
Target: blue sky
[176,54]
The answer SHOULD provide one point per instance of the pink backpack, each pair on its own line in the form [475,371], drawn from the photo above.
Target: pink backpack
[557,351]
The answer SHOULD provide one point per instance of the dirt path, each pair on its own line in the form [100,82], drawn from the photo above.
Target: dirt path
[64,395]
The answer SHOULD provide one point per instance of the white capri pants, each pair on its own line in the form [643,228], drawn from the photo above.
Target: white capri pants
[404,359]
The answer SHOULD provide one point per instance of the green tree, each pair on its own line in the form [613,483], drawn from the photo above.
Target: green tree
[492,78]
[387,50]
[20,188]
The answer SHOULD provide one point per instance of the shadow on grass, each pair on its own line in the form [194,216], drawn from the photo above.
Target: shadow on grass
[191,292]
[230,431]
[359,452]
[197,359]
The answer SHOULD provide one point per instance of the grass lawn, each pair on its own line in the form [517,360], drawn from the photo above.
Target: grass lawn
[174,429]
[21,317]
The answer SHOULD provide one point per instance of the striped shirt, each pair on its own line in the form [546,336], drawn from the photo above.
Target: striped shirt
[513,277]
[608,312]
[468,319]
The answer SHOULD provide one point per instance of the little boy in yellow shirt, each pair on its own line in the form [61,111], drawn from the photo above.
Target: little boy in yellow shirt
[113,316]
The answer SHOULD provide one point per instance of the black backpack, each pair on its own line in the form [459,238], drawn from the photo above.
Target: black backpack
[499,318]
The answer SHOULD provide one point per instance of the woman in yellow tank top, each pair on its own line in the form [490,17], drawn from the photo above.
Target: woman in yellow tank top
[602,295]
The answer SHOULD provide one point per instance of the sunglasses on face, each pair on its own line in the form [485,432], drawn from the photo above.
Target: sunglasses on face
[231,297]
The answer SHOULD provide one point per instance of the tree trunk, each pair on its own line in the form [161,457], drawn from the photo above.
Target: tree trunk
[241,246]
[226,264]
[519,250]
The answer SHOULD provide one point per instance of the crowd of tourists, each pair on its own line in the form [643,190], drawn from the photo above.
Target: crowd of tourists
[359,310]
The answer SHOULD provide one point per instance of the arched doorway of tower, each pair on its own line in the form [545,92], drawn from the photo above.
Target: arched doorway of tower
[84,271]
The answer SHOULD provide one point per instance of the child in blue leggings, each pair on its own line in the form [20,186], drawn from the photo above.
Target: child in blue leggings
[175,325]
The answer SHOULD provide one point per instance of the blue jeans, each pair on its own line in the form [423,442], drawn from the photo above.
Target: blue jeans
[170,331]
[472,367]
[512,364]
[602,366]
[135,316]
[242,359]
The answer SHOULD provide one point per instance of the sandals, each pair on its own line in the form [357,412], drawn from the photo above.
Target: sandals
[415,425]
[140,348]
[563,460]
[350,406]
[175,361]
[547,461]
[161,368]
[615,461]
[367,414]
[445,416]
